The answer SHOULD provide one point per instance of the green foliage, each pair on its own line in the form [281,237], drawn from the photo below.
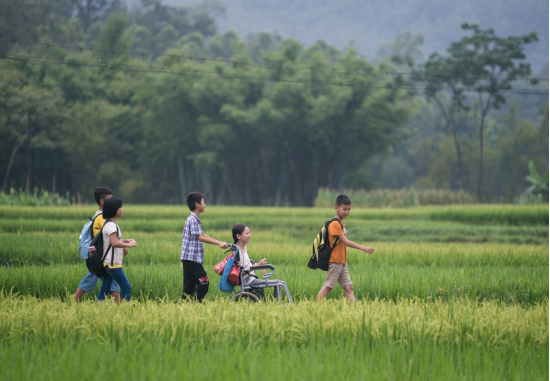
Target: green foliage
[539,184]
[382,198]
[223,128]
[37,198]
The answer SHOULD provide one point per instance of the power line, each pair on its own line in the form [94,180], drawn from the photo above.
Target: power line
[187,74]
[264,65]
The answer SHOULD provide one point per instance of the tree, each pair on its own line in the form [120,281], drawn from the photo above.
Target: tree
[483,63]
[539,184]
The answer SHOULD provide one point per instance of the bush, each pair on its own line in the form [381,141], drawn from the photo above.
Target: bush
[395,198]
[37,198]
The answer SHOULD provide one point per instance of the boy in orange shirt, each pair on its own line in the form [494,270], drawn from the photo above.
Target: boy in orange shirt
[337,267]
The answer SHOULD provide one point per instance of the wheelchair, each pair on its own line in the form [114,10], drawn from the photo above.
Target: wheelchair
[256,292]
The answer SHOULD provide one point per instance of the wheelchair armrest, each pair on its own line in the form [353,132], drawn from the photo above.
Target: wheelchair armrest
[270,267]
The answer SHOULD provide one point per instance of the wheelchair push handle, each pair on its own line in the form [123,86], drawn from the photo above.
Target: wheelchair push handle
[231,247]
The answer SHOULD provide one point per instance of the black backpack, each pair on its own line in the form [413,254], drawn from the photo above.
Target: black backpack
[95,264]
[322,249]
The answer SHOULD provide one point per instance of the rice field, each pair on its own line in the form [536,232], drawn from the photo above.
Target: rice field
[454,292]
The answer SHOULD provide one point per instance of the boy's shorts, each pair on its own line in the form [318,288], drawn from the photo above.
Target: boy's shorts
[337,272]
[90,281]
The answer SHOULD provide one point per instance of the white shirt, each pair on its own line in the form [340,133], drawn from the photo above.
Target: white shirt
[109,228]
[246,265]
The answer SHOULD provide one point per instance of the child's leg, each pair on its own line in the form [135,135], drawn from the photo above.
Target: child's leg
[120,277]
[346,284]
[333,274]
[106,281]
[115,291]
[189,283]
[195,281]
[86,285]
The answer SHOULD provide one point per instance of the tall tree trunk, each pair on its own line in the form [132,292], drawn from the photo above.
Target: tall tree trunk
[181,178]
[29,155]
[229,187]
[484,111]
[13,152]
[451,125]
[480,178]
[298,189]
[459,155]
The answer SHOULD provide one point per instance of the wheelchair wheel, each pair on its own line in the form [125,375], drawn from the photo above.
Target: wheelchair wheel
[244,297]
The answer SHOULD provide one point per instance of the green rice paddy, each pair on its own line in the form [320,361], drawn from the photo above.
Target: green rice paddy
[451,292]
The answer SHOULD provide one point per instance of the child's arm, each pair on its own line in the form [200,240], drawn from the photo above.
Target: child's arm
[113,239]
[206,239]
[353,245]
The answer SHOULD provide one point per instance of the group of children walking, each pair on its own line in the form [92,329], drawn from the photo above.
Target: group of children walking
[195,278]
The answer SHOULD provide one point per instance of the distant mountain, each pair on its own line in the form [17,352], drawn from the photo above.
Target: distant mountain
[371,22]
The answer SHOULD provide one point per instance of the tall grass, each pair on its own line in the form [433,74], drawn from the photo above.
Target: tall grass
[55,248]
[224,217]
[393,198]
[523,284]
[234,359]
[460,322]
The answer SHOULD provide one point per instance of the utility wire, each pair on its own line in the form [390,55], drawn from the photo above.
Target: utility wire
[188,73]
[264,65]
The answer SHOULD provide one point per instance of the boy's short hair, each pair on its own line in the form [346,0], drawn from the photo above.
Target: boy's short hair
[100,193]
[343,200]
[110,207]
[193,198]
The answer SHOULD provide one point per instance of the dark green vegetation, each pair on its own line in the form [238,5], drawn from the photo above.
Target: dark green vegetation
[325,117]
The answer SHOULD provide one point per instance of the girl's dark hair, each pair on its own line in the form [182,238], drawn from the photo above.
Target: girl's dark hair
[237,229]
[110,207]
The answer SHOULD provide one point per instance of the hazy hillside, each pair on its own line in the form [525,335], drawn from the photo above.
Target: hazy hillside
[370,22]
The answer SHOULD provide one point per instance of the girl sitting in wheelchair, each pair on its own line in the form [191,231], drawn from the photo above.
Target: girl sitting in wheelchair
[251,283]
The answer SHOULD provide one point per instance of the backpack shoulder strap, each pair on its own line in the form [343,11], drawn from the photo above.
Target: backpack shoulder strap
[92,224]
[110,247]
[340,222]
[336,239]
[113,253]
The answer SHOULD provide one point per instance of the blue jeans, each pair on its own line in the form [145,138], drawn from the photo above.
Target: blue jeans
[107,281]
[89,282]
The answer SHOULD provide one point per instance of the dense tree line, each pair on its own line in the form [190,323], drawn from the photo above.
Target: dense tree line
[221,127]
[368,22]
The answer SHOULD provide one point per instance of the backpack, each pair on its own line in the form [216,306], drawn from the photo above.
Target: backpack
[95,264]
[321,248]
[85,238]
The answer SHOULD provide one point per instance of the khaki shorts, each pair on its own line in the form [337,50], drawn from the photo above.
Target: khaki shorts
[337,272]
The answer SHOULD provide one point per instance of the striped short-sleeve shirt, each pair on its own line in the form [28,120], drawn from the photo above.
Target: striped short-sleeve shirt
[191,247]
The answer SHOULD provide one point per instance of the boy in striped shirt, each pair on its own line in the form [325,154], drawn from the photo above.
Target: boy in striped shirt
[195,280]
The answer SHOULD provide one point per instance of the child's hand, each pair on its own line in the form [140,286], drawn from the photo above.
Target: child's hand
[223,245]
[262,262]
[132,243]
[124,251]
[368,249]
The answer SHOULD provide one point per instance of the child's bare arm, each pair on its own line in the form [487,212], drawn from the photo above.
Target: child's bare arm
[353,245]
[206,239]
[116,243]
